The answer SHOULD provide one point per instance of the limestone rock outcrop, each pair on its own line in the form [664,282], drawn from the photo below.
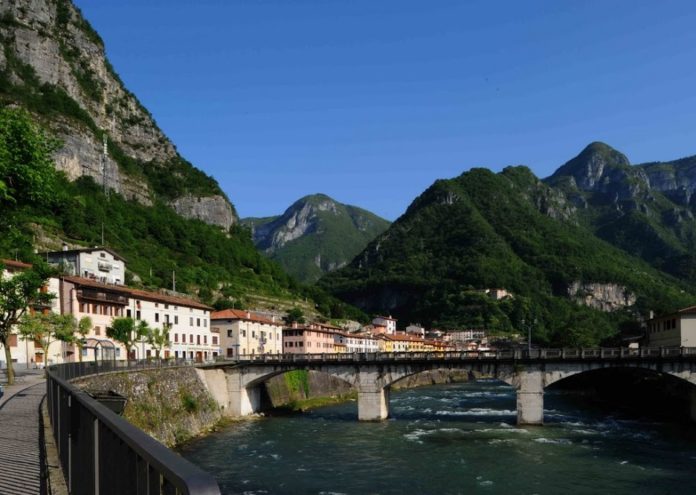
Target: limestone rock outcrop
[54,64]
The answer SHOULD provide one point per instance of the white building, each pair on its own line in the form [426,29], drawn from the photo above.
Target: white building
[243,332]
[96,263]
[188,320]
[385,321]
[356,342]
[673,330]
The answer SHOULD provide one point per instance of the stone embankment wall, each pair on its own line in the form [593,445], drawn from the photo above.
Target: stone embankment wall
[171,405]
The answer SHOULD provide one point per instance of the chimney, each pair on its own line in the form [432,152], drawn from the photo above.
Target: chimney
[248,315]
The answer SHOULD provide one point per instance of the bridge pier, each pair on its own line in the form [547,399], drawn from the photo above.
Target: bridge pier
[243,401]
[530,397]
[373,405]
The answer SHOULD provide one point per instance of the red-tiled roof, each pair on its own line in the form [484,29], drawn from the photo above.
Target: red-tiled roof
[15,264]
[137,293]
[240,314]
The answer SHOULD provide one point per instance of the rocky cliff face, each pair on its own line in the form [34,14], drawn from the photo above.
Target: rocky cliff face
[53,63]
[315,235]
[604,297]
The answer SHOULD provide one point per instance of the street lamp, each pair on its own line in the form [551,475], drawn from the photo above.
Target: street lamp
[529,334]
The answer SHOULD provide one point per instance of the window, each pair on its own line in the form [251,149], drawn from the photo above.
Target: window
[156,317]
[176,319]
[191,321]
[205,323]
[176,337]
[215,340]
[97,330]
[137,315]
[243,333]
[198,322]
[166,306]
[229,333]
[82,307]
[253,334]
[205,340]
[128,313]
[157,305]
[166,319]
[198,340]
[191,339]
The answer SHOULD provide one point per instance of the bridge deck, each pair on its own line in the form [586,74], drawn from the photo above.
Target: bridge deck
[21,462]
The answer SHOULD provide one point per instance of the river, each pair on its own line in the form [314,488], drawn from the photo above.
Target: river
[452,439]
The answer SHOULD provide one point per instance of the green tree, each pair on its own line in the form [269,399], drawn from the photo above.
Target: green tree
[295,315]
[27,175]
[128,332]
[18,293]
[80,330]
[159,338]
[45,329]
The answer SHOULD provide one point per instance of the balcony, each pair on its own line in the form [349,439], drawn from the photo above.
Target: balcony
[101,296]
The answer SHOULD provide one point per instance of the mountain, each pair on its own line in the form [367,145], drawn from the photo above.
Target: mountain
[510,230]
[315,235]
[647,210]
[166,217]
[53,64]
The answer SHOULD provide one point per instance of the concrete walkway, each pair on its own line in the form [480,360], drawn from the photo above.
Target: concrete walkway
[21,443]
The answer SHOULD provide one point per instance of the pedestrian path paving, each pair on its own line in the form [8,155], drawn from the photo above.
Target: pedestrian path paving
[21,462]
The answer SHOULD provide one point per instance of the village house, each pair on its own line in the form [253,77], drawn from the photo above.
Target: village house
[98,263]
[384,322]
[187,320]
[356,342]
[243,332]
[416,329]
[673,330]
[308,339]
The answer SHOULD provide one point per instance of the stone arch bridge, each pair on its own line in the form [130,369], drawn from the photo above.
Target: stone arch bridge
[236,385]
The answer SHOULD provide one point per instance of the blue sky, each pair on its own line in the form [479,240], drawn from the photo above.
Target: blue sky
[370,101]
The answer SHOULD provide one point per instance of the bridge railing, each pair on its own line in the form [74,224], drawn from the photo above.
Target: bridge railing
[101,453]
[497,354]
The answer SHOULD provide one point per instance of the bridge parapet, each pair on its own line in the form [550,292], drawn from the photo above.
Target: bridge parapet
[372,374]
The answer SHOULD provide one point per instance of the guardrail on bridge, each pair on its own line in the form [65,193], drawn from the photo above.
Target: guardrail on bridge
[498,354]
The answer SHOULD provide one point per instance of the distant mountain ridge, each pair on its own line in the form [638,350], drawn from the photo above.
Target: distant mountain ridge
[315,235]
[647,210]
[569,248]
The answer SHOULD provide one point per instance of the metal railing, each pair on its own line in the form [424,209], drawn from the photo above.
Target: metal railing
[102,454]
[499,354]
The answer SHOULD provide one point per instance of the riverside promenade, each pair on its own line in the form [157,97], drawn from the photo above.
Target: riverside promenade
[21,450]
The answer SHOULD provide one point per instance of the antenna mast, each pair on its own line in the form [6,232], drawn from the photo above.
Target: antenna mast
[103,164]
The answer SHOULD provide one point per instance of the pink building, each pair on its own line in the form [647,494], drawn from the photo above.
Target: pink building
[314,338]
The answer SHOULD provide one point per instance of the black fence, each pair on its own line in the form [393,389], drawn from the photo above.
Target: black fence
[102,454]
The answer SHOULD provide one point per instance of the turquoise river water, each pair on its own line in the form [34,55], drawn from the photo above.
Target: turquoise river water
[452,439]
